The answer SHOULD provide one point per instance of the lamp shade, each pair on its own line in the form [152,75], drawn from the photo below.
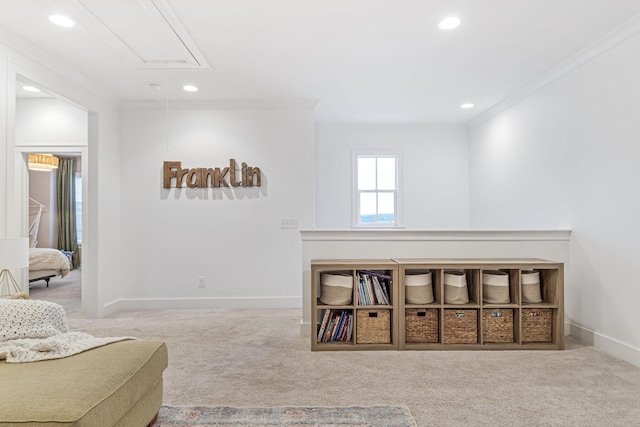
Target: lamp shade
[42,162]
[14,253]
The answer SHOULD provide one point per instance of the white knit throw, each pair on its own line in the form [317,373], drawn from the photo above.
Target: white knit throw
[33,330]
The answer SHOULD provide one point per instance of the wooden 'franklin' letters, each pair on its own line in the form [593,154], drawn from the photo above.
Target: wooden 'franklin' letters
[174,176]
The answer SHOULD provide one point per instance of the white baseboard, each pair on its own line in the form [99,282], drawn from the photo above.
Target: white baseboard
[305,329]
[606,344]
[129,304]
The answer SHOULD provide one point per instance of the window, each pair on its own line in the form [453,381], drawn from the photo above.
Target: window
[376,190]
[78,190]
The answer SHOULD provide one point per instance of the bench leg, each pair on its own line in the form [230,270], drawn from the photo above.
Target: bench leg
[153,421]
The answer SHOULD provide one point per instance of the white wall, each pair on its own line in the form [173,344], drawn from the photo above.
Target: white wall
[435,173]
[6,147]
[42,188]
[567,156]
[50,122]
[101,214]
[232,237]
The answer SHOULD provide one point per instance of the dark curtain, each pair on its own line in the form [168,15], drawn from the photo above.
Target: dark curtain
[66,189]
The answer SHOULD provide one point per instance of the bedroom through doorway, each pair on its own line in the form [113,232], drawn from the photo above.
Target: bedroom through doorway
[51,135]
[55,231]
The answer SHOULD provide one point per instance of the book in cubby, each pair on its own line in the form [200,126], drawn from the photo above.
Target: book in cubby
[353,304]
[373,288]
[496,304]
[336,326]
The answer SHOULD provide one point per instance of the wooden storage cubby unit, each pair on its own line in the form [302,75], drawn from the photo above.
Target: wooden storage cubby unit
[440,325]
[374,325]
[500,326]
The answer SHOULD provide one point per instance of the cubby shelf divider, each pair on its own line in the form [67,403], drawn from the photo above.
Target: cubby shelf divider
[437,325]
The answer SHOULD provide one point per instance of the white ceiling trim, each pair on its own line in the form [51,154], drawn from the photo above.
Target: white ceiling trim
[170,23]
[613,38]
[88,20]
[249,104]
[162,15]
[45,70]
[389,127]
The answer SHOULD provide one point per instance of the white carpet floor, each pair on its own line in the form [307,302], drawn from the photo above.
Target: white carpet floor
[242,357]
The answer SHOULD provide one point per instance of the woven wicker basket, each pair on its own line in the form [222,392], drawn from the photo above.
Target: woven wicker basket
[460,326]
[497,325]
[421,326]
[373,327]
[537,325]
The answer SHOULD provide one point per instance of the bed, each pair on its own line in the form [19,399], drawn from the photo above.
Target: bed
[45,263]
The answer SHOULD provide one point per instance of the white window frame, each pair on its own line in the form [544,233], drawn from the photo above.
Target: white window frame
[355,155]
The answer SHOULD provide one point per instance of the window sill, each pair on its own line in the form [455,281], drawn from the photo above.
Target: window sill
[378,227]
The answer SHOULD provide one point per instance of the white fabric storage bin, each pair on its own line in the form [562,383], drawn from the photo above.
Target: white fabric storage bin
[531,287]
[455,287]
[418,288]
[495,287]
[336,289]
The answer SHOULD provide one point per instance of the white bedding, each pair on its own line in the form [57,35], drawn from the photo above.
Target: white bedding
[49,259]
[32,330]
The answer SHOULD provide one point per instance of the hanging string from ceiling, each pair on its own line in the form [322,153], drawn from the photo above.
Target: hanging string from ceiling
[166,91]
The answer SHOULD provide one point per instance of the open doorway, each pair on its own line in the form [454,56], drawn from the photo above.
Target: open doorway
[55,232]
[48,127]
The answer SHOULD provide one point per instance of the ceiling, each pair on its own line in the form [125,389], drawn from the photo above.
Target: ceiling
[364,61]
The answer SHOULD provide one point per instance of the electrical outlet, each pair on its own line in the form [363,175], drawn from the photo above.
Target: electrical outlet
[201,282]
[289,223]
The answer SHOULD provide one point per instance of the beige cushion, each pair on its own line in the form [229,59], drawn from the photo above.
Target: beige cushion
[94,388]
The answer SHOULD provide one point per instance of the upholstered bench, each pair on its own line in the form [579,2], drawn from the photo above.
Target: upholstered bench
[118,384]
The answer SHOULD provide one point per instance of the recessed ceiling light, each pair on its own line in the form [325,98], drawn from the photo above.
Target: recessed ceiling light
[468,105]
[449,23]
[190,88]
[61,20]
[30,89]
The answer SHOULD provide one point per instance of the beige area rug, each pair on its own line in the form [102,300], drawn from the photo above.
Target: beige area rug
[355,416]
[256,358]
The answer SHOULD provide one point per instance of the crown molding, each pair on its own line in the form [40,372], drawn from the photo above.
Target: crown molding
[46,70]
[605,43]
[389,127]
[248,104]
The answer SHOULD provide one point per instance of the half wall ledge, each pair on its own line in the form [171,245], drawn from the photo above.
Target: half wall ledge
[404,243]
